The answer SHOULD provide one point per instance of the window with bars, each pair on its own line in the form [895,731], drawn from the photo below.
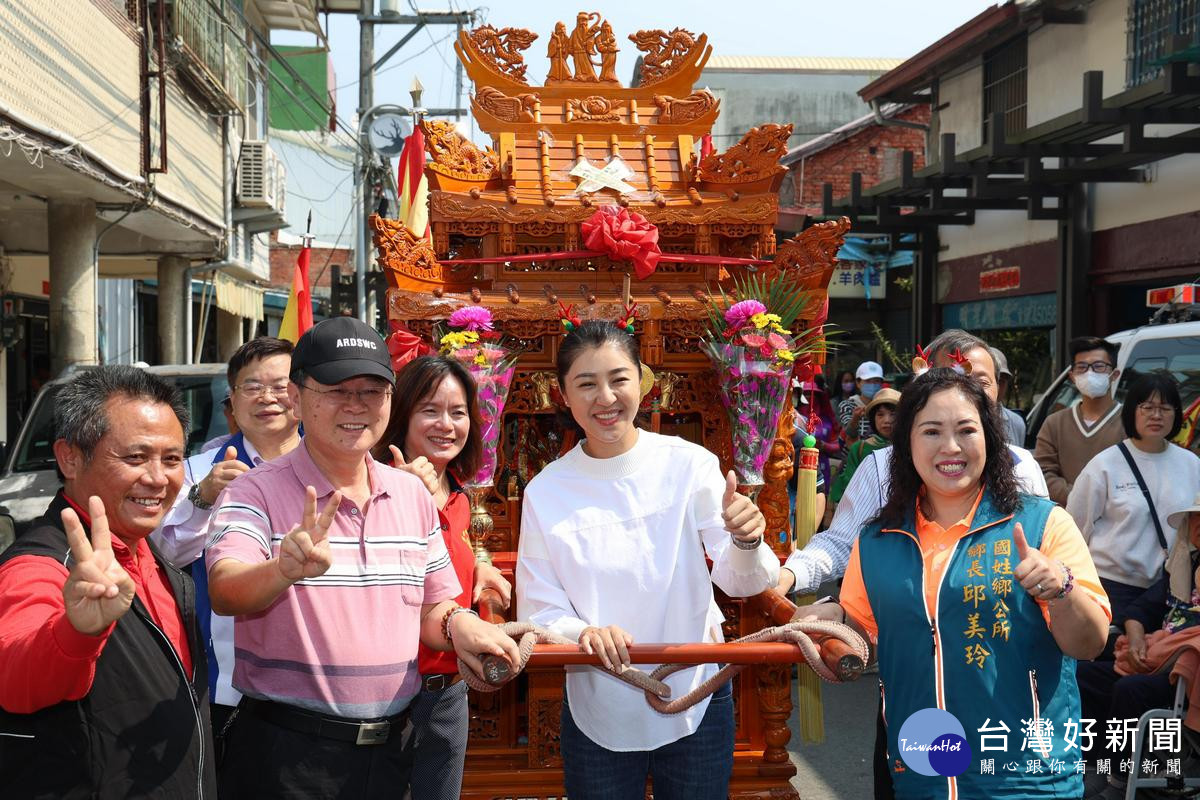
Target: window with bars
[1004,86]
[1157,29]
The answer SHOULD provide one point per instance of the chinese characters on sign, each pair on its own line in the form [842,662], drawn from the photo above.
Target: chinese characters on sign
[1001,279]
[858,279]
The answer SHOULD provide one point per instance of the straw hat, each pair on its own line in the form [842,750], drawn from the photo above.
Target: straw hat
[883,397]
[1179,517]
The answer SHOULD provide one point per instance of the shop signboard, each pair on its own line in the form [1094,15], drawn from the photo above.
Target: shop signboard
[858,279]
[1002,313]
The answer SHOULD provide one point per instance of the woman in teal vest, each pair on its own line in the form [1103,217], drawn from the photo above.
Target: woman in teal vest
[979,599]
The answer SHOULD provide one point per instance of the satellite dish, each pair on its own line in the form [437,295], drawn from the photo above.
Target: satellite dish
[388,132]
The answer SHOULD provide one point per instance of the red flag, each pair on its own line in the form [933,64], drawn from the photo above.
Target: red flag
[297,316]
[413,186]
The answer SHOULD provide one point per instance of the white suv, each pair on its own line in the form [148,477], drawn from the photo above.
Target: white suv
[30,478]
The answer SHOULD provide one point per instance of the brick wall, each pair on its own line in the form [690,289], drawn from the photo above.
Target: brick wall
[283,261]
[873,151]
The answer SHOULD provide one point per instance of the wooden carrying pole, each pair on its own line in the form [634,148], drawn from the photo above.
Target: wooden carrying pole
[812,715]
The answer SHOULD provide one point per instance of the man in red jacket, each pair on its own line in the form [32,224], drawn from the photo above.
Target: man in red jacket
[103,690]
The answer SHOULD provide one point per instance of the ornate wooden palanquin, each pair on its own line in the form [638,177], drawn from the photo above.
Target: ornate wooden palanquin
[505,232]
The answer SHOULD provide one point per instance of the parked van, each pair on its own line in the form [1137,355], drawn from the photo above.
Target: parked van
[1170,341]
[30,479]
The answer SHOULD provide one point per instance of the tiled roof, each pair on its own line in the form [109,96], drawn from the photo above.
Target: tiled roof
[803,63]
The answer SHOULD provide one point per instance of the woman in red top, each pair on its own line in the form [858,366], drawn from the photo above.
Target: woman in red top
[434,434]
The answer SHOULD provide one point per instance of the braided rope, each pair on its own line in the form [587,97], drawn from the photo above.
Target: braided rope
[658,693]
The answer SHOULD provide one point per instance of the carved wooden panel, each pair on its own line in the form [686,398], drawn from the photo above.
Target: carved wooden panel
[752,159]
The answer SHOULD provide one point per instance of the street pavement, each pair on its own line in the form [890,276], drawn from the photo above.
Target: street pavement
[840,767]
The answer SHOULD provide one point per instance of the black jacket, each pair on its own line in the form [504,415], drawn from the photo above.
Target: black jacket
[142,730]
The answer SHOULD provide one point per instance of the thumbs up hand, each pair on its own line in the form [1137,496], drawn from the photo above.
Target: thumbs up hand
[742,518]
[221,475]
[1042,578]
[419,466]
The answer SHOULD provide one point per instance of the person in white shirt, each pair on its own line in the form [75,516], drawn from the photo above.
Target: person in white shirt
[267,428]
[1107,500]
[614,536]
[826,555]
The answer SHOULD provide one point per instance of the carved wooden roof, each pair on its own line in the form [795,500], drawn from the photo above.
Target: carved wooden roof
[581,118]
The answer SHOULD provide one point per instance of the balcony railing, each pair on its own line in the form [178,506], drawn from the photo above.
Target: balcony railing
[212,38]
[1159,30]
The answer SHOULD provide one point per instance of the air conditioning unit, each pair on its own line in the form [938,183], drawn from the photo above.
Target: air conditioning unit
[258,181]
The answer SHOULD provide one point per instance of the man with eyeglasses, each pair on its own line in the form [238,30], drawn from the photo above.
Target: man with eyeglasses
[334,567]
[265,429]
[1072,437]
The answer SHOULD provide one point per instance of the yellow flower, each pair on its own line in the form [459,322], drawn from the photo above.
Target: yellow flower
[761,320]
[773,318]
[786,355]
[457,339]
[481,360]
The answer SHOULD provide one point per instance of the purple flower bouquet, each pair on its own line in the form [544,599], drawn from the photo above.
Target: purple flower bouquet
[492,365]
[753,356]
[754,393]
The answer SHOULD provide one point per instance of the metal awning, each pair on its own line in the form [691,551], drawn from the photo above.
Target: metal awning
[238,297]
[291,15]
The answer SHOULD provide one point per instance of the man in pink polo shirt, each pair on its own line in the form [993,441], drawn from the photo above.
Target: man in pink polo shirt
[329,606]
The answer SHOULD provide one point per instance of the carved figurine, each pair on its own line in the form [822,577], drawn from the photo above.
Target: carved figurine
[583,46]
[510,109]
[664,52]
[557,51]
[503,47]
[606,44]
[676,111]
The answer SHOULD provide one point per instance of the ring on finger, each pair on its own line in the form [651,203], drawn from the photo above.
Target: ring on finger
[1039,588]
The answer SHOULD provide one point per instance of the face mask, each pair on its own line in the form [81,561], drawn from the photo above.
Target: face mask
[870,389]
[1091,384]
[848,388]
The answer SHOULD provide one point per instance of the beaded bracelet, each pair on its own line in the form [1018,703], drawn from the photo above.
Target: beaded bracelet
[450,615]
[1068,582]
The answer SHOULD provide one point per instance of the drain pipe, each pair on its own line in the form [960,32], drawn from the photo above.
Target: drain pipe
[131,208]
[895,123]
[190,355]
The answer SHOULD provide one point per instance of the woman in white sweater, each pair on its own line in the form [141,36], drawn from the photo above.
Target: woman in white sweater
[1108,504]
[613,542]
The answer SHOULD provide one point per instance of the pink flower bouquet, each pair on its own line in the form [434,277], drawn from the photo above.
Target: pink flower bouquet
[473,340]
[754,392]
[753,355]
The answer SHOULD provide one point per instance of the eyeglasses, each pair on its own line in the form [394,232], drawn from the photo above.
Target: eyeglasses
[368,397]
[252,390]
[1098,367]
[1154,410]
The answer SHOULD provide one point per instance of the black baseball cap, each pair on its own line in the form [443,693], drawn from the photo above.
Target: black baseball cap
[341,348]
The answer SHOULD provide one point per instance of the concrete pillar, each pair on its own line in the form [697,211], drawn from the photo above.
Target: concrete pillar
[71,237]
[173,294]
[229,334]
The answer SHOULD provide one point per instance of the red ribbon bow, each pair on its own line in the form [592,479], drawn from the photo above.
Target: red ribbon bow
[405,346]
[623,235]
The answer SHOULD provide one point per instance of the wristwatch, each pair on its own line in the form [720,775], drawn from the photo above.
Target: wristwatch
[196,500]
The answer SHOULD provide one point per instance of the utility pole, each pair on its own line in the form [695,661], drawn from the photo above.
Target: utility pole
[367,65]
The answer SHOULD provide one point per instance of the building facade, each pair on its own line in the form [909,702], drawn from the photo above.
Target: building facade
[1062,167]
[133,168]
[870,297]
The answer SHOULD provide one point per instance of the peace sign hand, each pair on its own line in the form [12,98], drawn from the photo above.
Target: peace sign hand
[98,590]
[420,466]
[304,552]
